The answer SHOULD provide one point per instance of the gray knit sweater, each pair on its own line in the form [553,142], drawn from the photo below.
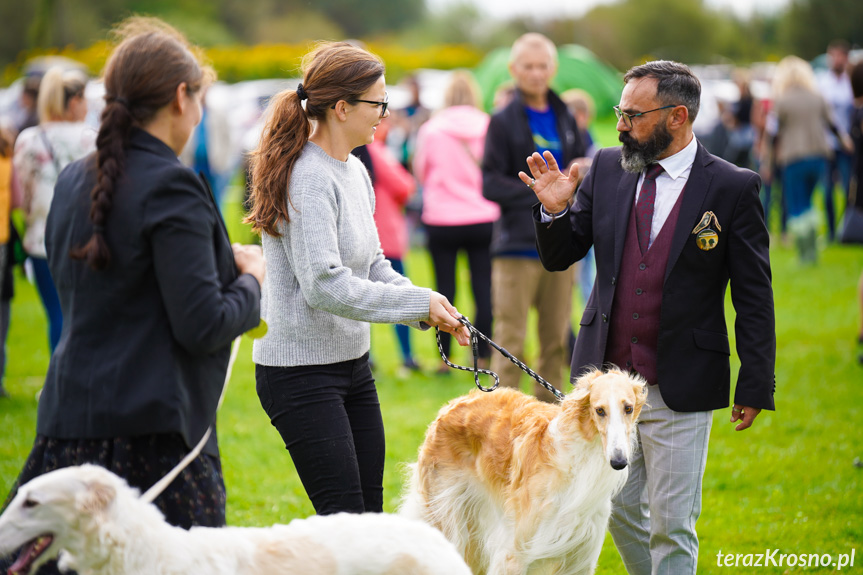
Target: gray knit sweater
[327,275]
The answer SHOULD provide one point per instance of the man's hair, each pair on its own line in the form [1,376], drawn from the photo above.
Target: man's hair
[841,45]
[532,40]
[676,84]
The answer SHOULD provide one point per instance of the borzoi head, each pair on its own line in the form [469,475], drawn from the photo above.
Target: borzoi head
[54,512]
[607,404]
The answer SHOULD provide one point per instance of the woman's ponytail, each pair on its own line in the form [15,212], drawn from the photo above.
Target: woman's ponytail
[285,134]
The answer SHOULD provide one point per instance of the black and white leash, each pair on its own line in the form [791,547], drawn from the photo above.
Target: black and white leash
[475,336]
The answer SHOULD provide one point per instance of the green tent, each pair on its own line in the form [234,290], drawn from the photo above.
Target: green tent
[578,67]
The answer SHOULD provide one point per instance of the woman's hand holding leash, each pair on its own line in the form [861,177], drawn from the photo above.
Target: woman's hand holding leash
[552,188]
[443,315]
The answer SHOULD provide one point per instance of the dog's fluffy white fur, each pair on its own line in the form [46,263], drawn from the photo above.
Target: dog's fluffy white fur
[99,526]
[523,486]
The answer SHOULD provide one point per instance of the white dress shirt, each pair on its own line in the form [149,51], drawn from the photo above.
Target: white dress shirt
[669,185]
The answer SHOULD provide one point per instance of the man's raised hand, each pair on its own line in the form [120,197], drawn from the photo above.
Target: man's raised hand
[552,187]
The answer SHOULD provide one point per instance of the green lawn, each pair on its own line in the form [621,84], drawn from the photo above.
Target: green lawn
[790,482]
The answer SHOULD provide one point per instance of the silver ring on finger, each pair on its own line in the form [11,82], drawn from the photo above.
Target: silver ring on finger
[531,184]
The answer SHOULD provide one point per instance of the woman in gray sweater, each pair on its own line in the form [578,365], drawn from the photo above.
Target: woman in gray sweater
[327,278]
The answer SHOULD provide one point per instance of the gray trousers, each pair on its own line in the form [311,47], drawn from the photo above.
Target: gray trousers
[653,517]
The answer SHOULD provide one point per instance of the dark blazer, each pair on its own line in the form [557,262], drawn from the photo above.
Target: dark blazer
[693,368]
[145,343]
[508,143]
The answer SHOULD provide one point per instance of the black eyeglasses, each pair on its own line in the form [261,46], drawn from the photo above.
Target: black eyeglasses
[383,104]
[627,118]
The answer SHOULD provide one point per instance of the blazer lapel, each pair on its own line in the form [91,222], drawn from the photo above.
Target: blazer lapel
[623,205]
[694,194]
[223,230]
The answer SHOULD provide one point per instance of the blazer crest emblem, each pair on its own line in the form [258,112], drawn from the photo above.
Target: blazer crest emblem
[705,237]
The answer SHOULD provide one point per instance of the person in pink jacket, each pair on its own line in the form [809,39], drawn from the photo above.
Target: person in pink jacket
[455,214]
[393,186]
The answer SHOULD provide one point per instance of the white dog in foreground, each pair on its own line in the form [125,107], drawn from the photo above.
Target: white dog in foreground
[521,486]
[103,528]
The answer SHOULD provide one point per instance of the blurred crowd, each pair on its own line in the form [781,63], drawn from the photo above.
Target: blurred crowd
[795,130]
[796,123]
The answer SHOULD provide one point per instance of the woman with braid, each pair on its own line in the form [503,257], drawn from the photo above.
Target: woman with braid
[327,278]
[151,289]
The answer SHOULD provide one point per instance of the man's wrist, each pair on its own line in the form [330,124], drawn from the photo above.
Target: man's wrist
[555,213]
[548,217]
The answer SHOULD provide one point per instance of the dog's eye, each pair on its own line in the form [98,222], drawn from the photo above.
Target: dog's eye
[28,503]
[627,409]
[600,412]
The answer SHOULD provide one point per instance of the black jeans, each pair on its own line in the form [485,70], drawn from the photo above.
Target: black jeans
[444,243]
[330,419]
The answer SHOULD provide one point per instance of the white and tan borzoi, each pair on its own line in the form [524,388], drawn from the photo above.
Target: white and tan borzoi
[103,528]
[520,486]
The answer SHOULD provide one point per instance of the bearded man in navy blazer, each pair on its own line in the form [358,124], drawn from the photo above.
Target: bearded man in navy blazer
[672,225]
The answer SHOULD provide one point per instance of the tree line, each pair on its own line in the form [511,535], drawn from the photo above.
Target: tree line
[622,33]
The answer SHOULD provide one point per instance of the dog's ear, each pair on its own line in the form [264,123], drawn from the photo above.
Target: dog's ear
[96,498]
[585,379]
[639,388]
[577,405]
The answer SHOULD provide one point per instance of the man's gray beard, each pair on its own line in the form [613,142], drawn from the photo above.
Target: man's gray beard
[634,163]
[635,159]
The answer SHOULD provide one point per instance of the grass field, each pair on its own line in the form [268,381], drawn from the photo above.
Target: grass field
[789,483]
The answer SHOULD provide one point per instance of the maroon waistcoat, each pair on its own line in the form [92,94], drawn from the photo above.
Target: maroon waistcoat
[634,323]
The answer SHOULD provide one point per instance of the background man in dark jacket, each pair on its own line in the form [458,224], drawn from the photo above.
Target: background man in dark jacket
[536,120]
[671,225]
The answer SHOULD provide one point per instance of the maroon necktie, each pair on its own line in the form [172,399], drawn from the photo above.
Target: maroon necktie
[644,206]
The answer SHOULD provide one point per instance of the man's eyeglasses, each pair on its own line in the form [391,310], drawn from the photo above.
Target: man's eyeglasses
[383,104]
[627,118]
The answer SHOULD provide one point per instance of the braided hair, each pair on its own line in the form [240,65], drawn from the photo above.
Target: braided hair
[141,77]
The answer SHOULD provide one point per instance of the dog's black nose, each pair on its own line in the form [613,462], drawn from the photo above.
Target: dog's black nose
[618,463]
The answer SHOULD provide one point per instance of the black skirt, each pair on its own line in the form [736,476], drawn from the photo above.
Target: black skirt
[195,498]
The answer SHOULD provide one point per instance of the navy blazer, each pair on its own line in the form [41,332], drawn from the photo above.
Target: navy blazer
[145,342]
[693,352]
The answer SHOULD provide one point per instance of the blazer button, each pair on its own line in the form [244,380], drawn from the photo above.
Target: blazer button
[613,281]
[604,318]
[634,340]
[642,266]
[635,316]
[638,291]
